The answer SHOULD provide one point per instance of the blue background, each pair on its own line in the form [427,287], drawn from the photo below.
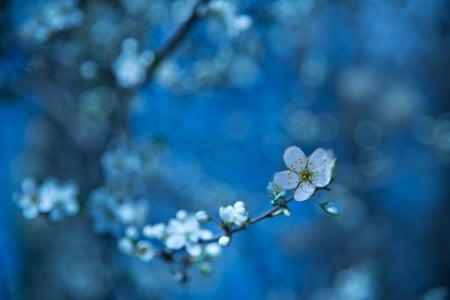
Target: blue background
[368,79]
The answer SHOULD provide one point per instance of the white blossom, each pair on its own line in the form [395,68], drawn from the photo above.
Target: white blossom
[185,231]
[120,161]
[125,245]
[306,173]
[132,232]
[141,249]
[236,214]
[234,23]
[144,250]
[212,249]
[58,200]
[51,198]
[54,17]
[112,212]
[130,67]
[202,216]
[103,207]
[28,199]
[156,231]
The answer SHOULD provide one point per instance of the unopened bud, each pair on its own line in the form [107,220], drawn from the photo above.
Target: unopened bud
[202,216]
[330,208]
[224,241]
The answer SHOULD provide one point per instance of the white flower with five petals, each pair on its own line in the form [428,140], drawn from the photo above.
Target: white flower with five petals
[305,174]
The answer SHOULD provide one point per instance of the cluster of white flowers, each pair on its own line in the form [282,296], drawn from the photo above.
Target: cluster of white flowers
[50,199]
[112,212]
[133,246]
[130,67]
[234,215]
[120,203]
[233,22]
[227,64]
[184,232]
[120,162]
[116,209]
[55,16]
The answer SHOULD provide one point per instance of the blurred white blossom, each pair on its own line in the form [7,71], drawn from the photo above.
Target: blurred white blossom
[154,231]
[112,212]
[27,199]
[202,216]
[224,241]
[55,16]
[185,231]
[130,68]
[233,22]
[52,199]
[141,249]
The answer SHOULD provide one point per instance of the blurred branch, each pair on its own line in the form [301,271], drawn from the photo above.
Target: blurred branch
[176,38]
[166,50]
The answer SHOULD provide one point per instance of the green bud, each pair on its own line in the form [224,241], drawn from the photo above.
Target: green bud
[330,207]
[205,268]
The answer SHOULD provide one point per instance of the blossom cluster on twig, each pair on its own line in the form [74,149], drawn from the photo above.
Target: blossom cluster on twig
[183,240]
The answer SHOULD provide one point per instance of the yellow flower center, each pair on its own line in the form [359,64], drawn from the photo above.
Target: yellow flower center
[305,175]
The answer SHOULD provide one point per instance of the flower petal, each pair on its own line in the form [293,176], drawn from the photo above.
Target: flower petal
[145,250]
[205,234]
[304,191]
[193,249]
[30,212]
[226,214]
[319,165]
[175,242]
[321,179]
[294,158]
[212,249]
[318,160]
[286,180]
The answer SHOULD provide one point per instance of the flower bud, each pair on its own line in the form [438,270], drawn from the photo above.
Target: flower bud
[132,232]
[125,246]
[202,216]
[224,241]
[205,268]
[330,208]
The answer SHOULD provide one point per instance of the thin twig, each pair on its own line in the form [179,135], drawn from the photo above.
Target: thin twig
[176,38]
[166,50]
[263,216]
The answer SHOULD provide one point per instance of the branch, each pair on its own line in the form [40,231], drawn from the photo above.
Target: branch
[263,216]
[175,39]
[160,55]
